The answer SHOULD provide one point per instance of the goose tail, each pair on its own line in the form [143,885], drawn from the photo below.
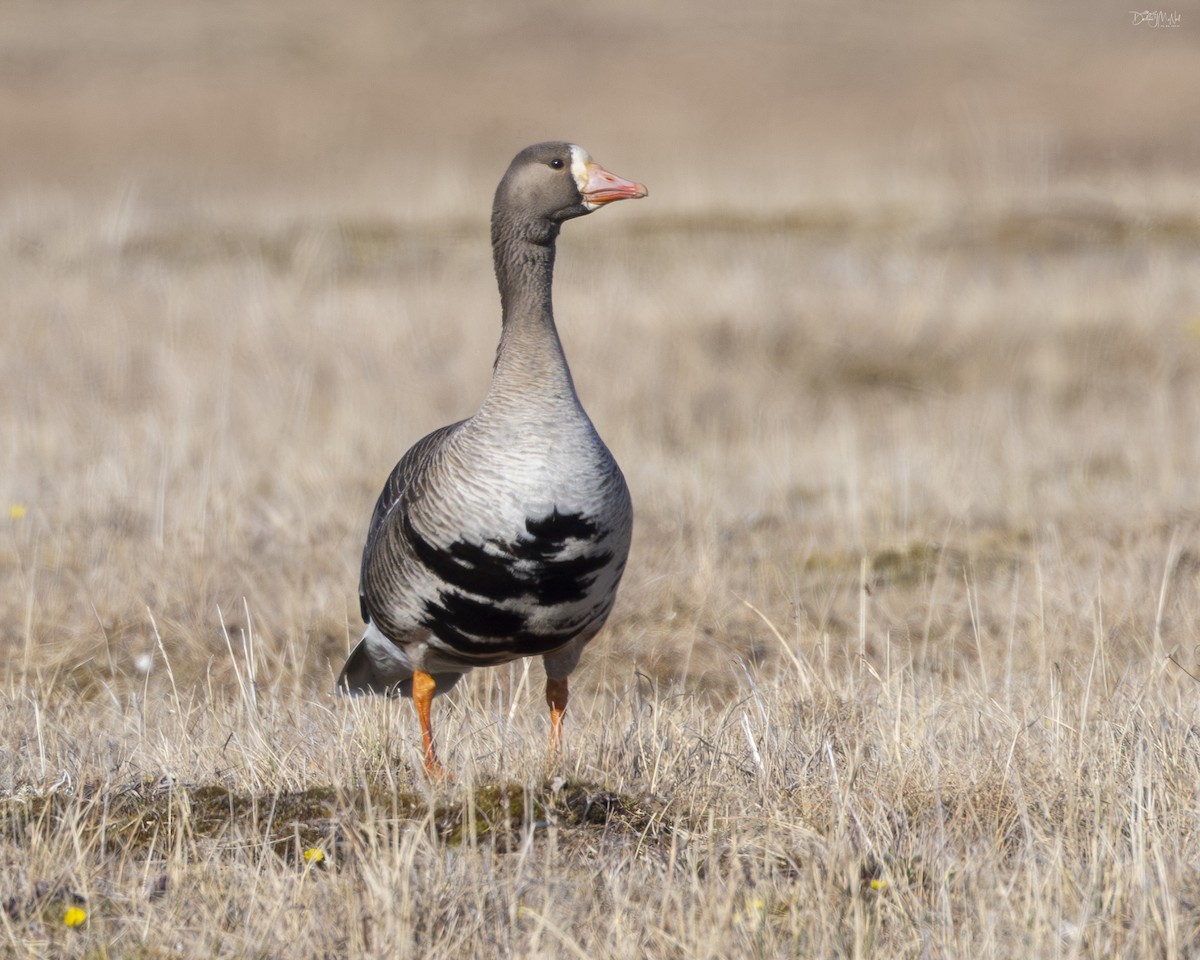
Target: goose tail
[360,675]
[376,665]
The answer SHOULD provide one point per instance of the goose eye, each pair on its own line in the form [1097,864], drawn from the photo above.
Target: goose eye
[557,164]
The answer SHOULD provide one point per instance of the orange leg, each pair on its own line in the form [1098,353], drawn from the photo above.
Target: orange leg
[556,697]
[423,689]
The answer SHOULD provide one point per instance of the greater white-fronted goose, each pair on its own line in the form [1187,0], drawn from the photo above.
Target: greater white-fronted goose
[503,535]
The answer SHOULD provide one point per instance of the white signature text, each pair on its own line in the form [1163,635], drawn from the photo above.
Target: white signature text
[1156,18]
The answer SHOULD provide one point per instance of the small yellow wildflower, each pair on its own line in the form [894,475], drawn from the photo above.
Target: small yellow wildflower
[878,884]
[17,511]
[755,910]
[314,855]
[75,916]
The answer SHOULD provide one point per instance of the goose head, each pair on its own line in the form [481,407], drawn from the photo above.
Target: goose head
[548,183]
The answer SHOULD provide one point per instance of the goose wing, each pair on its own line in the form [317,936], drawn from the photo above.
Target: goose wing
[400,481]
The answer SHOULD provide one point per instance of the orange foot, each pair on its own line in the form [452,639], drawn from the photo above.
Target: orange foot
[423,689]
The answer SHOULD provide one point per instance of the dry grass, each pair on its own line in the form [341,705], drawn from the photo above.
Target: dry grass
[904,373]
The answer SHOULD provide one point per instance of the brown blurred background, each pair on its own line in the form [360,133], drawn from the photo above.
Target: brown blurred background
[244,258]
[400,106]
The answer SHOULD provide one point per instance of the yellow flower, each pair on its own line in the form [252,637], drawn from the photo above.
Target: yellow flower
[313,855]
[17,511]
[755,910]
[75,916]
[878,884]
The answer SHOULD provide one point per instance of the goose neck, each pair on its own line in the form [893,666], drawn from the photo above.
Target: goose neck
[524,262]
[530,355]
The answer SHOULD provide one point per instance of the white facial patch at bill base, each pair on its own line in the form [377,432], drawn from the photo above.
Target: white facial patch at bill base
[580,159]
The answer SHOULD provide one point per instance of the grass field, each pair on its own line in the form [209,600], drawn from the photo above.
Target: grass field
[901,359]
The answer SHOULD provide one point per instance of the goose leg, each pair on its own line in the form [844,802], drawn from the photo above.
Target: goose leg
[556,697]
[423,689]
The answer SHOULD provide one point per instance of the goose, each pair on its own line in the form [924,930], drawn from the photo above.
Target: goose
[503,535]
